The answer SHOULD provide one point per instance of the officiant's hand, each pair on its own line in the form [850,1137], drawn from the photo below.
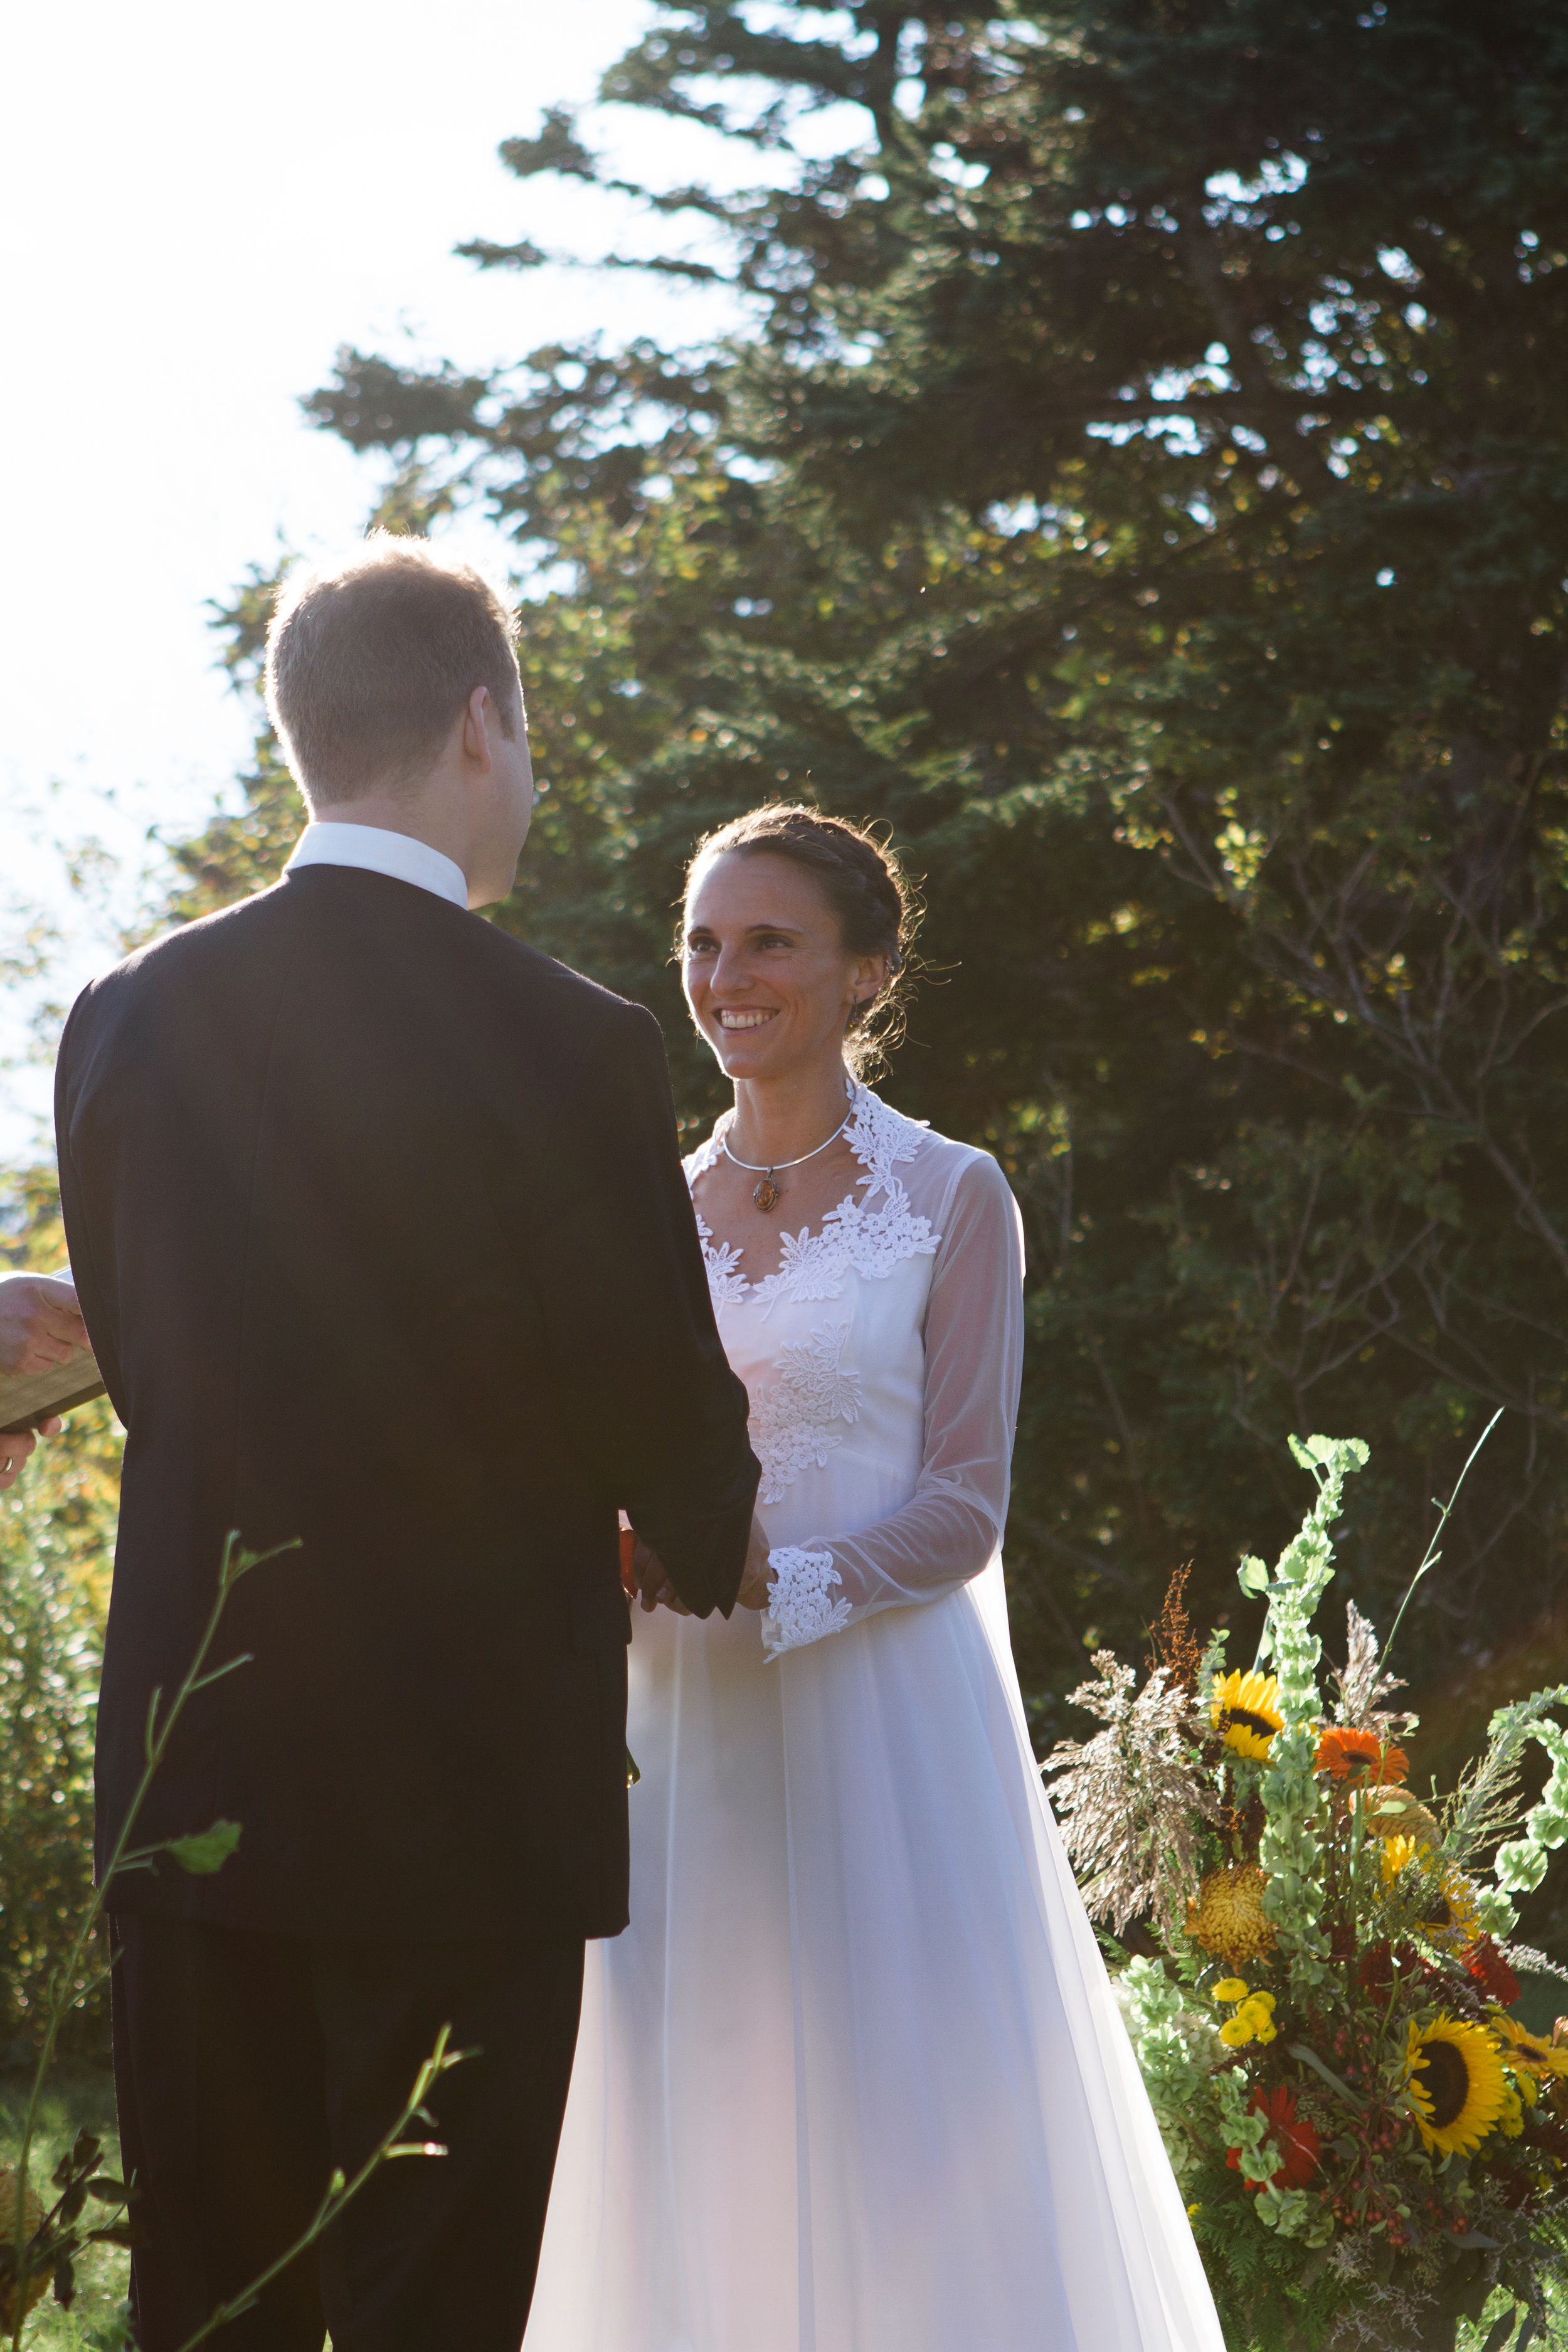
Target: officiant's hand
[40,1324]
[15,1450]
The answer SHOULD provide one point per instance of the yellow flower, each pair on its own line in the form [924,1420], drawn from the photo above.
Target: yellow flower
[1227,1916]
[1253,2022]
[1229,1988]
[1245,1711]
[1456,2083]
[1528,2054]
[1450,1913]
[1397,1853]
[1512,2117]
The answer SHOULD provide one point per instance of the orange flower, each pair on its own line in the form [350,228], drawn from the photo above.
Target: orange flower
[1298,2141]
[1361,1755]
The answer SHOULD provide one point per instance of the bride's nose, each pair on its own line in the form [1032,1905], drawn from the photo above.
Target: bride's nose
[731,972]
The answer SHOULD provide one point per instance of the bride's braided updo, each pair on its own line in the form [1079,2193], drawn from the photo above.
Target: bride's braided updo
[863,882]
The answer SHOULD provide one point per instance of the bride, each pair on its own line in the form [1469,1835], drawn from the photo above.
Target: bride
[853,2079]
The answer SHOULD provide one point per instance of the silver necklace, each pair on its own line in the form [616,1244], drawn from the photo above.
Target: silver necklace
[766,1193]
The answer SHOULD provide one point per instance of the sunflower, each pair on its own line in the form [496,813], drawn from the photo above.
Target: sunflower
[1456,2084]
[1227,1916]
[1245,1711]
[1451,1915]
[1527,2049]
[1361,1755]
[1449,1912]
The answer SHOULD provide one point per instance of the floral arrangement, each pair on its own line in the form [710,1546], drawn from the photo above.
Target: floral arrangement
[1372,2145]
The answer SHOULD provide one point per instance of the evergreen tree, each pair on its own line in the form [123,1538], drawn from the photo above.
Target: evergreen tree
[1144,489]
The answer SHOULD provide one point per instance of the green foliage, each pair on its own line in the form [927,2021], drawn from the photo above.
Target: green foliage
[1291,1848]
[1144,489]
[48,1686]
[81,2098]
[57,1543]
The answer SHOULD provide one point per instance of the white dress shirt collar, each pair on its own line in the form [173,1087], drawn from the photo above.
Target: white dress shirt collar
[376,851]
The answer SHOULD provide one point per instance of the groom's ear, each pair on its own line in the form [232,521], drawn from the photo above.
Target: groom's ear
[480,717]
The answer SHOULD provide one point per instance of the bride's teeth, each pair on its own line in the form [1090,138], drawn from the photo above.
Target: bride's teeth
[743,1020]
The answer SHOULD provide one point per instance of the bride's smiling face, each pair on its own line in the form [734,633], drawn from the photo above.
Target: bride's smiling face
[769,980]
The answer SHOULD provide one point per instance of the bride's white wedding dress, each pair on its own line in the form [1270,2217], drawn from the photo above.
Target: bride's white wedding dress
[853,2079]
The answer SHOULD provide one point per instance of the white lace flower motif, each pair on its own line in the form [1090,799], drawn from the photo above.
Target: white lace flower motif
[793,1420]
[854,1237]
[799,1607]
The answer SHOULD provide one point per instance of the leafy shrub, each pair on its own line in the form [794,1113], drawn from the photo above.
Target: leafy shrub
[56,1543]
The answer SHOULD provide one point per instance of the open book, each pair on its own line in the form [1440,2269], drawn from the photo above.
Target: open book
[28,1398]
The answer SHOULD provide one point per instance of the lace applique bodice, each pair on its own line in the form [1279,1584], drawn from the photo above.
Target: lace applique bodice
[793,1420]
[856,1235]
[883,1420]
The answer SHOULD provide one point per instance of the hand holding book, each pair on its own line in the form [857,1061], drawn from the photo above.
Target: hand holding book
[47,1364]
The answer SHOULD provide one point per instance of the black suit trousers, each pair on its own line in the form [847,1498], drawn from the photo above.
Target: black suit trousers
[248,2066]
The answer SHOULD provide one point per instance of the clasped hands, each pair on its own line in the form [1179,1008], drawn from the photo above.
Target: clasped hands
[40,1325]
[645,1579]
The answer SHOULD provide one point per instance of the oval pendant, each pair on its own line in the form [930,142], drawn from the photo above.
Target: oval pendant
[766,1194]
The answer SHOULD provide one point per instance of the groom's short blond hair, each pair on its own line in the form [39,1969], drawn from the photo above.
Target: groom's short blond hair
[370,661]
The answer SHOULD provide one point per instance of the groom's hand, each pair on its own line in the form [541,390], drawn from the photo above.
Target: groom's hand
[40,1323]
[651,1581]
[756,1575]
[654,1588]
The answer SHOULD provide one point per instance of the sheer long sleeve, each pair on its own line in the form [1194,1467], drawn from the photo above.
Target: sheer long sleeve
[950,1527]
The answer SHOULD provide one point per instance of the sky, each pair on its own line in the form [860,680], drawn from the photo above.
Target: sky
[198,204]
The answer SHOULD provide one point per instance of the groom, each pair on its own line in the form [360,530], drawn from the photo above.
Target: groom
[381,1235]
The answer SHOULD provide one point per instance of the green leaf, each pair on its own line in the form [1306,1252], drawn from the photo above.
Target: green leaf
[1311,2058]
[204,1851]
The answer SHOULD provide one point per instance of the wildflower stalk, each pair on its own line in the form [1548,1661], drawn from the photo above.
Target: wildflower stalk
[203,1853]
[341,2192]
[1444,1512]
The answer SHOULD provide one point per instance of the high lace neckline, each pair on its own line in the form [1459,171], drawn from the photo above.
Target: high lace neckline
[871,1241]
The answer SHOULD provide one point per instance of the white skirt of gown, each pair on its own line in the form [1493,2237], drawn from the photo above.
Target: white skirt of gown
[853,2080]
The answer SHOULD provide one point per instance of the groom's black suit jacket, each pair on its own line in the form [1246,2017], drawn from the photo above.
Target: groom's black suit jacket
[379,1229]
